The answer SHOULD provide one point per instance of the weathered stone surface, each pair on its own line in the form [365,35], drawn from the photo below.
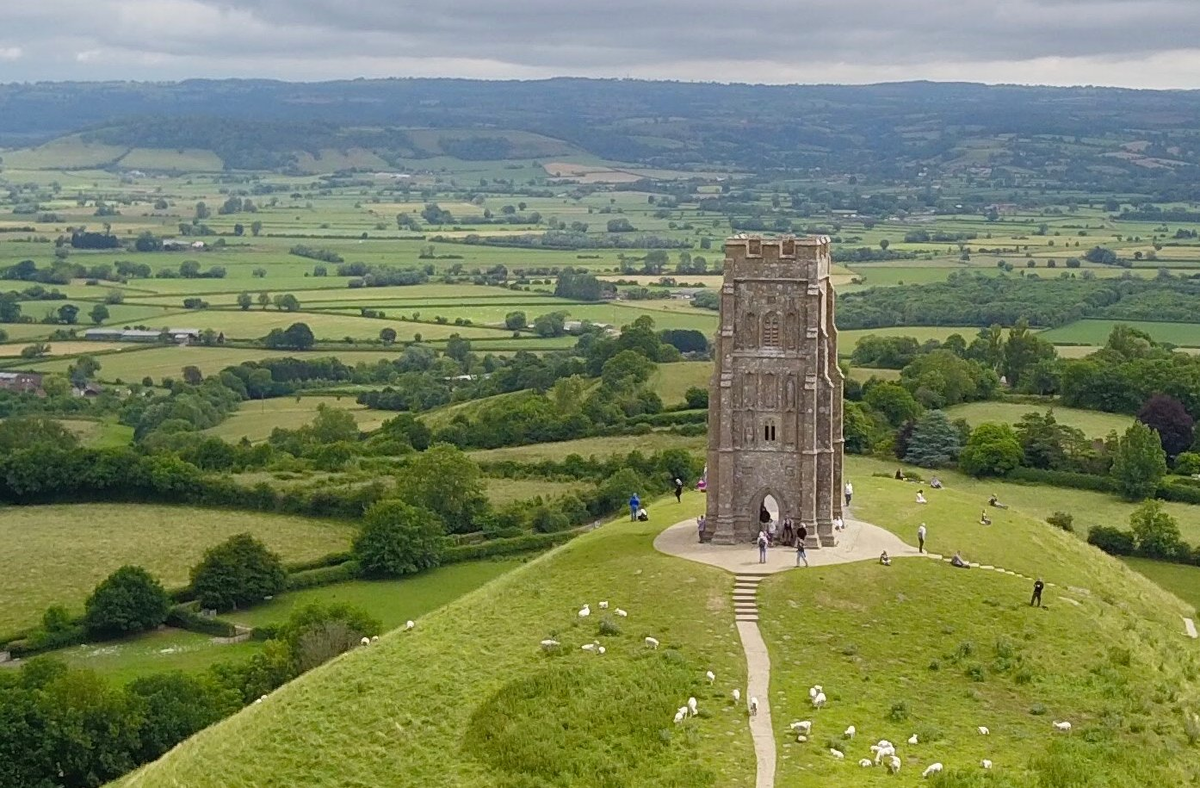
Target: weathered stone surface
[775,400]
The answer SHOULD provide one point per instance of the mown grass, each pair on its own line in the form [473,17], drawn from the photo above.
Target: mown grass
[1093,423]
[599,447]
[255,419]
[469,699]
[1181,580]
[57,554]
[1095,332]
[501,491]
[671,381]
[154,652]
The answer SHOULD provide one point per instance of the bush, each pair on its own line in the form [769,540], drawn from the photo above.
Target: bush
[1187,463]
[1078,481]
[502,547]
[1062,520]
[1179,492]
[992,450]
[129,600]
[399,539]
[239,571]
[323,576]
[548,520]
[186,617]
[1112,540]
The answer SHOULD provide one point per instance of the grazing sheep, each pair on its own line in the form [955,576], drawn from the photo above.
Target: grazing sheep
[549,645]
[893,765]
[691,704]
[801,739]
[365,642]
[912,739]
[753,707]
[819,688]
[866,763]
[679,715]
[1063,726]
[710,676]
[931,769]
[260,700]
[849,732]
[652,642]
[409,625]
[375,639]
[983,731]
[600,650]
[836,753]
[812,692]
[585,611]
[883,752]
[604,605]
[985,763]
[819,700]
[737,695]
[621,613]
[804,726]
[885,743]
[588,647]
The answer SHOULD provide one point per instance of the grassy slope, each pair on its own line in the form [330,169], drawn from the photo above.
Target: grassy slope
[671,381]
[468,699]
[41,570]
[1093,423]
[256,419]
[1180,579]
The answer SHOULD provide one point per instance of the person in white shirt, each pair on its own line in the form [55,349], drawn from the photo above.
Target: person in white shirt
[849,492]
[921,538]
[921,496]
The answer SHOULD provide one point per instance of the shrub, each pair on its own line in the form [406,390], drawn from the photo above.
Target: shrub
[547,520]
[1078,481]
[992,450]
[186,617]
[1111,540]
[899,712]
[129,600]
[502,547]
[1062,520]
[1187,463]
[399,539]
[609,627]
[239,571]
[323,576]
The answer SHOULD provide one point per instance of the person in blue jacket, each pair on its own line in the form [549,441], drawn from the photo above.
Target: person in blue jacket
[635,503]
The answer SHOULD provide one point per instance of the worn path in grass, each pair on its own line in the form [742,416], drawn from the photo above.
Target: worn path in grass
[858,542]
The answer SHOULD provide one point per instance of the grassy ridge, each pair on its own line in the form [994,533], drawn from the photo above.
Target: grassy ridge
[1093,423]
[469,699]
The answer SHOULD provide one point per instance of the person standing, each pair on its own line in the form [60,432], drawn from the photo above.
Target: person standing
[678,490]
[921,538]
[849,492]
[1038,585]
[801,555]
[635,503]
[762,546]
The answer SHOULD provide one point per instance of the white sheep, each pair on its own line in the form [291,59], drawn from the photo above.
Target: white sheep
[588,646]
[710,676]
[819,700]
[549,645]
[912,739]
[737,696]
[985,763]
[804,726]
[812,692]
[885,743]
[652,642]
[683,710]
[604,605]
[893,765]
[753,707]
[836,753]
[849,732]
[621,613]
[409,625]
[679,715]
[883,752]
[365,642]
[601,650]
[931,769]
[801,739]
[1064,726]
[866,762]
[691,704]
[585,611]
[375,639]
[983,731]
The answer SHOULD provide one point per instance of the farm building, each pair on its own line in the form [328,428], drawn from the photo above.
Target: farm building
[181,336]
[21,381]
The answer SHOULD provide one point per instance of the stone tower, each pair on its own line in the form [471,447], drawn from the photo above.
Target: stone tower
[775,401]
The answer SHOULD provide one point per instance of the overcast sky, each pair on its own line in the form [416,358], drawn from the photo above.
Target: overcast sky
[1134,43]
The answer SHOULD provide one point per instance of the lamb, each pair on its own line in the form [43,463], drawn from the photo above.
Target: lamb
[365,642]
[893,765]
[710,676]
[621,613]
[652,642]
[819,700]
[849,732]
[804,726]
[604,605]
[585,611]
[679,715]
[812,692]
[737,696]
[589,646]
[375,639]
[753,707]
[1064,726]
[912,739]
[866,762]
[983,731]
[409,625]
[985,763]
[801,739]
[931,769]
[692,706]
[600,650]
[836,753]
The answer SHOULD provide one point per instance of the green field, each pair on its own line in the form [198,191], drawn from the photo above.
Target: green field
[599,447]
[1181,580]
[502,491]
[1093,423]
[672,381]
[255,419]
[57,554]
[1095,332]
[152,652]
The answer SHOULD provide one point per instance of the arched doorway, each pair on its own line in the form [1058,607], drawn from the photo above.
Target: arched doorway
[770,507]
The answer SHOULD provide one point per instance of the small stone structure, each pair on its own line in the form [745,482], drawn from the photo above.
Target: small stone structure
[775,400]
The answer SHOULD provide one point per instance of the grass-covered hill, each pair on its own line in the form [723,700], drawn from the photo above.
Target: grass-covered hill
[469,699]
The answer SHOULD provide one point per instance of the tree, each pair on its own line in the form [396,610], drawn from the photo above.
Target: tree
[992,450]
[626,371]
[934,441]
[696,398]
[1156,532]
[333,425]
[448,483]
[256,228]
[83,370]
[398,539]
[551,324]
[317,633]
[68,313]
[297,336]
[941,379]
[98,314]
[202,211]
[129,600]
[287,303]
[1045,443]
[239,229]
[178,705]
[264,299]
[515,321]
[244,301]
[1139,462]
[1022,351]
[884,244]
[893,402]
[387,335]
[192,375]
[239,571]
[1167,416]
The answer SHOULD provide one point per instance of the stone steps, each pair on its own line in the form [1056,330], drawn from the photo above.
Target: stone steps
[745,596]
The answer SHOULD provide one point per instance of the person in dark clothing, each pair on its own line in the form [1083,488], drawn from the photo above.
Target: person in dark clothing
[764,516]
[801,553]
[678,490]
[1038,585]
